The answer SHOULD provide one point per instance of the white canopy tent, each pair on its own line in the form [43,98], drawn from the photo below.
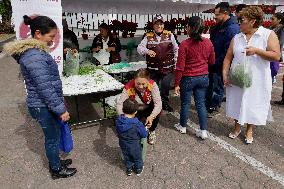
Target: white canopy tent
[152,6]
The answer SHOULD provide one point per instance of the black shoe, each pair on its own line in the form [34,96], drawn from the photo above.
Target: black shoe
[212,112]
[64,172]
[129,172]
[66,162]
[168,108]
[139,171]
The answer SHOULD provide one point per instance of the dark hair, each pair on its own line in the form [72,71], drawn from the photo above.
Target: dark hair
[240,7]
[280,16]
[42,23]
[104,26]
[142,73]
[253,13]
[224,7]
[130,106]
[196,25]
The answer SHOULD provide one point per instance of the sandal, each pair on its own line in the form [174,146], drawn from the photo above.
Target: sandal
[248,140]
[234,135]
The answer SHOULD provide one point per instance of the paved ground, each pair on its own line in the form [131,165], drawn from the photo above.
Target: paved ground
[176,161]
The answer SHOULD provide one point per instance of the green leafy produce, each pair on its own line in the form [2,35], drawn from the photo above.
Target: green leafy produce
[88,69]
[240,77]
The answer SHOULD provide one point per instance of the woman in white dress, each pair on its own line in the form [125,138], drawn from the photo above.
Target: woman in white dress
[257,46]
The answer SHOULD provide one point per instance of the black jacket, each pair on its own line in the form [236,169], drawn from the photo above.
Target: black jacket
[113,42]
[70,40]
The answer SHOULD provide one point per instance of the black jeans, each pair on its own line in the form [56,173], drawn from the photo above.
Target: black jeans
[142,116]
[215,91]
[164,82]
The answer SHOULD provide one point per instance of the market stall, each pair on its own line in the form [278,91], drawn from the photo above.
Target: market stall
[151,6]
[99,83]
[96,84]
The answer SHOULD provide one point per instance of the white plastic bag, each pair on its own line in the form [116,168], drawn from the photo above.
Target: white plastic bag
[102,56]
[240,74]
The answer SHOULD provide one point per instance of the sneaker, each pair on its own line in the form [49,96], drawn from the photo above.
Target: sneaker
[152,137]
[180,128]
[139,171]
[202,134]
[274,81]
[129,172]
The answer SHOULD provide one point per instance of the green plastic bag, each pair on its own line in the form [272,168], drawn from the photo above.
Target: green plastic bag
[240,75]
[119,66]
[71,65]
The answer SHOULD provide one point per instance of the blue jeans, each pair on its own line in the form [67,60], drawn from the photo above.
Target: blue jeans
[51,130]
[198,87]
[215,91]
[133,157]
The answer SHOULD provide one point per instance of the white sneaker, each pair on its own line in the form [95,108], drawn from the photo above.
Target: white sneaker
[202,134]
[181,129]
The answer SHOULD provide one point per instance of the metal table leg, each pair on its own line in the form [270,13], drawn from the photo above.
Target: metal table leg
[77,108]
[104,107]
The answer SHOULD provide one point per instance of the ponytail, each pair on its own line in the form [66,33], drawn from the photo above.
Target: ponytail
[196,26]
[42,23]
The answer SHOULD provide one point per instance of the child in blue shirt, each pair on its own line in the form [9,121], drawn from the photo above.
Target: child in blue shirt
[130,131]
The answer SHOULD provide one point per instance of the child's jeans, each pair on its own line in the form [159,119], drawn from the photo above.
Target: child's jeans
[144,144]
[132,158]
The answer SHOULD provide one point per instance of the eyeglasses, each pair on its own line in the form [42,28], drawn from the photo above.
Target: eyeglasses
[241,20]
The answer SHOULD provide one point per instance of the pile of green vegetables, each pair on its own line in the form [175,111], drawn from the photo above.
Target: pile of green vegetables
[88,69]
[240,77]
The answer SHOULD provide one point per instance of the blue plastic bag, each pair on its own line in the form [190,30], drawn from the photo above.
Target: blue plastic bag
[66,140]
[274,66]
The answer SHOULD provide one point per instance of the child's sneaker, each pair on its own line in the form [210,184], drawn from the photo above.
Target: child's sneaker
[202,134]
[180,128]
[129,172]
[139,171]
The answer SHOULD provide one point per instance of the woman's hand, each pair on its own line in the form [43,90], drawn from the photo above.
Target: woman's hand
[97,49]
[250,51]
[110,49]
[74,51]
[65,51]
[65,116]
[226,80]
[151,53]
[149,121]
[177,90]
